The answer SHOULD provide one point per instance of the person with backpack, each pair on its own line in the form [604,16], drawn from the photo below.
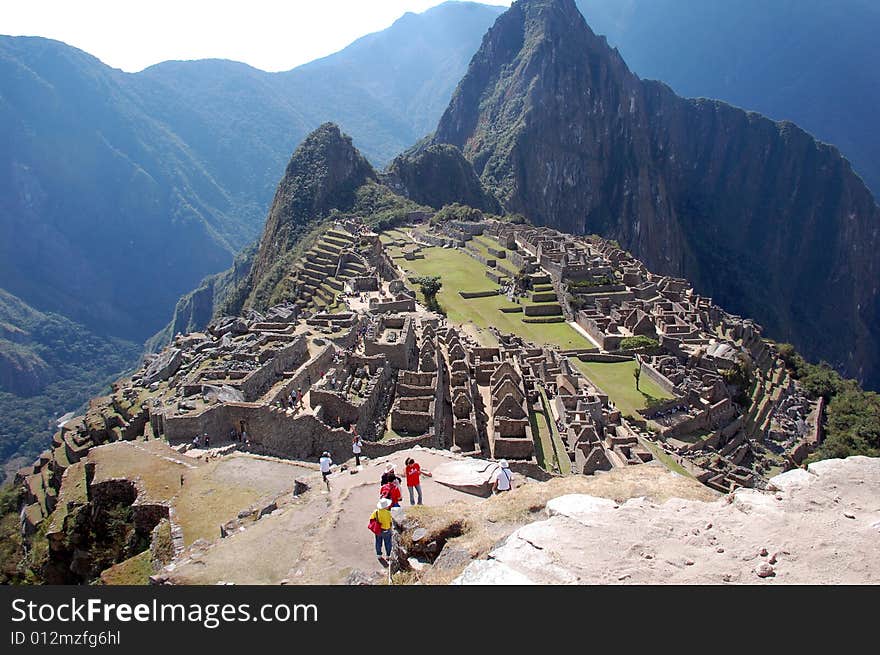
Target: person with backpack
[503,479]
[413,479]
[391,491]
[380,526]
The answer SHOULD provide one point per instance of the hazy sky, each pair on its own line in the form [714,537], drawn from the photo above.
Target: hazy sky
[269,34]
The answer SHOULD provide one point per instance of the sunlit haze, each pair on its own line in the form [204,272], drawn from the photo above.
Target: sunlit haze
[269,34]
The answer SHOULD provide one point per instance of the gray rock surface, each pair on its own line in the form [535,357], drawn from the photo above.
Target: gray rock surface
[473,476]
[803,523]
[164,365]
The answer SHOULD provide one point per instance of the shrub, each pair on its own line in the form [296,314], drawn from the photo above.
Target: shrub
[639,341]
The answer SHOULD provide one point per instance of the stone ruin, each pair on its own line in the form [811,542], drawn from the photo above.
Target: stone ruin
[303,376]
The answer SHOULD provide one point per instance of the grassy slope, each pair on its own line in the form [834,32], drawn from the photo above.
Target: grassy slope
[616,379]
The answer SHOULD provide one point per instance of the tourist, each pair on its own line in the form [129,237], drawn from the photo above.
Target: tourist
[503,479]
[300,397]
[413,479]
[391,491]
[356,445]
[207,441]
[389,474]
[326,463]
[382,516]
[181,479]
[195,441]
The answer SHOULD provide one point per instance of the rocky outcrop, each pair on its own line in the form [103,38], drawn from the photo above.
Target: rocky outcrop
[324,173]
[439,175]
[757,214]
[818,526]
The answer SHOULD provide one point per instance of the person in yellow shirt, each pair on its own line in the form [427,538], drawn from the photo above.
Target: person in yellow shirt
[382,515]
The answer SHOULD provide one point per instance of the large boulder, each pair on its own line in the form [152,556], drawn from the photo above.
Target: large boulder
[473,476]
[164,365]
[223,394]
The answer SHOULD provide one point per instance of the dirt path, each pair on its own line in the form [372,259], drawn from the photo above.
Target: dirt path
[318,538]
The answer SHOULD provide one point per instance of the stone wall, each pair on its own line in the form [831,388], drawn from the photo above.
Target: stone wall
[261,380]
[476,254]
[495,276]
[310,371]
[708,418]
[385,447]
[393,306]
[464,435]
[603,357]
[400,354]
[413,422]
[549,309]
[658,378]
[513,448]
[333,407]
[523,261]
[467,295]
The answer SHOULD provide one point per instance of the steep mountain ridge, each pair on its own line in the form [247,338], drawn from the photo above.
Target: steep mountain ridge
[49,365]
[167,173]
[809,61]
[755,213]
[439,175]
[119,193]
[323,175]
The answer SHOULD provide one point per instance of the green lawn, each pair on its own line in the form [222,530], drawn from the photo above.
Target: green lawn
[461,272]
[616,379]
[543,441]
[133,571]
[664,458]
[561,455]
[483,243]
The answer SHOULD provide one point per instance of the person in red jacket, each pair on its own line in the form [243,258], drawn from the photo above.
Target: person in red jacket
[391,491]
[414,480]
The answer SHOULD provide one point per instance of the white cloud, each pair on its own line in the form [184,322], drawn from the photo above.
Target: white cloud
[269,34]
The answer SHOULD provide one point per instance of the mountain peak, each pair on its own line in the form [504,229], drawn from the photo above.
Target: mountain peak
[558,129]
[325,143]
[323,174]
[536,52]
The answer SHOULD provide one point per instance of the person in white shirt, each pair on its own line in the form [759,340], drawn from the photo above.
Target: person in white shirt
[503,479]
[326,463]
[356,445]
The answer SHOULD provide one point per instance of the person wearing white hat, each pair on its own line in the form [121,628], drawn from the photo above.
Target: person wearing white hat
[503,478]
[380,526]
[389,475]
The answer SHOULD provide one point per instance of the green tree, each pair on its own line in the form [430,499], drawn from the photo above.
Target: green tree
[821,380]
[430,285]
[637,373]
